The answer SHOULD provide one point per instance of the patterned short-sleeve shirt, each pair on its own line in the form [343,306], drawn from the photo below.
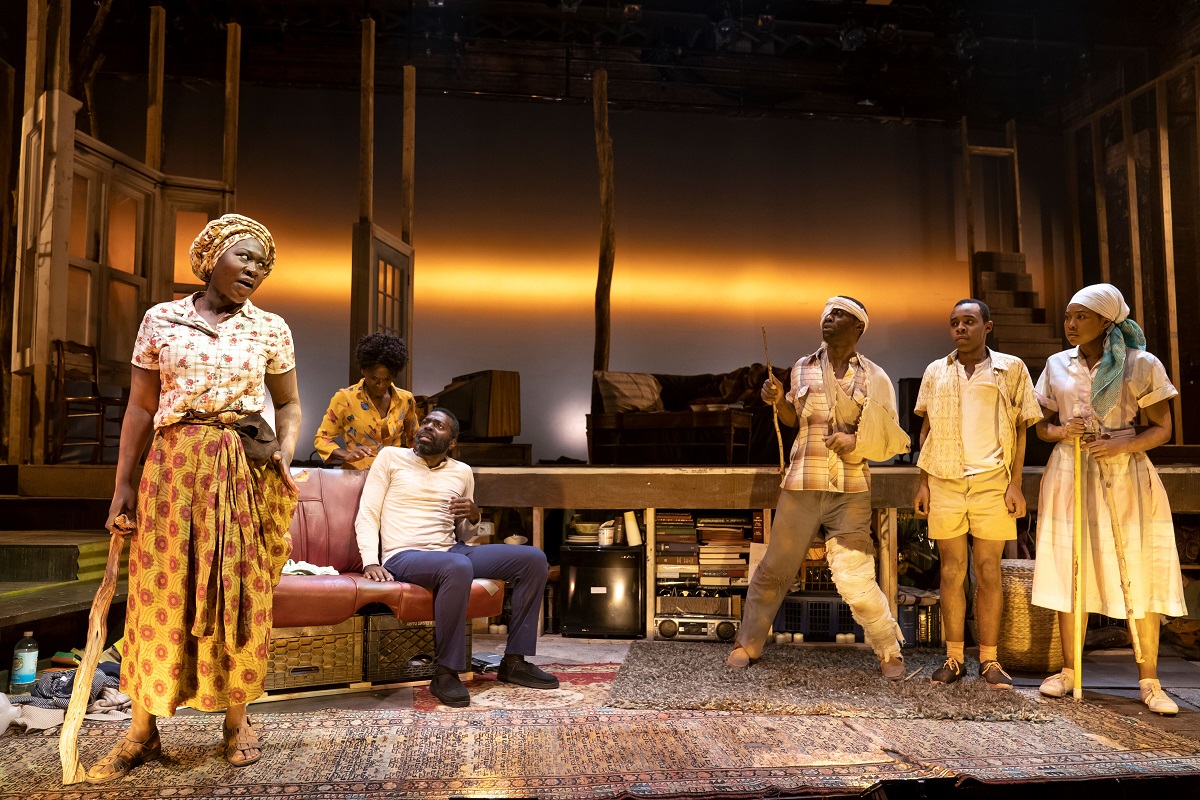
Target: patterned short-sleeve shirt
[353,417]
[208,370]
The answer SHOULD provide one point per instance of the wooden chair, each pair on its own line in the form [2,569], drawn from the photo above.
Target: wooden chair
[79,364]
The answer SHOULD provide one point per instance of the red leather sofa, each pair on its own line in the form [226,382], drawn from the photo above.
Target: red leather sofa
[323,534]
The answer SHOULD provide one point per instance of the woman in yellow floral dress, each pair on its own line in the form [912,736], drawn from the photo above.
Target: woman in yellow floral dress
[211,526]
[372,413]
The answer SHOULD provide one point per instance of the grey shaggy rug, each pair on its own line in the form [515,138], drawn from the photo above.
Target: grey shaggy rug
[811,680]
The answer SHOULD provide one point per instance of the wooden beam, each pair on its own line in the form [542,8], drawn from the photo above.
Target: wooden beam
[608,243]
[1010,134]
[996,152]
[1101,202]
[366,124]
[1135,241]
[1168,229]
[885,526]
[35,52]
[1062,286]
[969,203]
[154,99]
[233,85]
[8,111]
[58,46]
[408,152]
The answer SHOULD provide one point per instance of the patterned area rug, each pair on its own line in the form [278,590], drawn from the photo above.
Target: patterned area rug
[794,680]
[564,744]
[580,686]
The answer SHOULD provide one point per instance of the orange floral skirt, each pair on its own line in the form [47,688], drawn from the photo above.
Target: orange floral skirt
[212,539]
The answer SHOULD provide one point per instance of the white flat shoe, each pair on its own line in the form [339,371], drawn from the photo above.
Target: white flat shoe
[1057,685]
[1157,700]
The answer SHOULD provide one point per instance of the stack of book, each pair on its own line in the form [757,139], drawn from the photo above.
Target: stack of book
[724,549]
[676,546]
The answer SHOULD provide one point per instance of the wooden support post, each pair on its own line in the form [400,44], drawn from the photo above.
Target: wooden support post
[8,112]
[233,84]
[1101,201]
[1010,135]
[968,202]
[1135,240]
[58,46]
[538,540]
[366,124]
[608,244]
[886,528]
[154,100]
[35,52]
[1062,285]
[1168,232]
[648,541]
[408,154]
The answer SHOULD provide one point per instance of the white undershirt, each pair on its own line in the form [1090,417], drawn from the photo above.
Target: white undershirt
[982,451]
[405,502]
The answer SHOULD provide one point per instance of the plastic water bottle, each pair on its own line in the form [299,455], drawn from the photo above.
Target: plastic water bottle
[24,668]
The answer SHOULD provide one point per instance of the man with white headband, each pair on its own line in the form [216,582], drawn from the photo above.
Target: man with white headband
[845,407]
[1096,391]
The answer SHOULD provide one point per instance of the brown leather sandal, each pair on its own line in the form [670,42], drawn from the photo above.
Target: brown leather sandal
[124,758]
[239,743]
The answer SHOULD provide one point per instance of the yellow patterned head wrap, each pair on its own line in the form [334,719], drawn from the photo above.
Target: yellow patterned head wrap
[223,233]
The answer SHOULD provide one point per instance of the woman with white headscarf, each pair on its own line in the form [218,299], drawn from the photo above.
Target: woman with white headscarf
[1095,391]
[211,508]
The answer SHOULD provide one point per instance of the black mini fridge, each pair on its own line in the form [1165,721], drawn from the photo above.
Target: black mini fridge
[602,591]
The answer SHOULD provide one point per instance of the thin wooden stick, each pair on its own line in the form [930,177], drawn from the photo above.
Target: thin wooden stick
[68,739]
[1122,565]
[774,408]
[1077,576]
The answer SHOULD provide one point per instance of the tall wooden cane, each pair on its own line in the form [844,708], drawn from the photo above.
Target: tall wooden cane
[1077,575]
[68,740]
[1122,565]
[774,408]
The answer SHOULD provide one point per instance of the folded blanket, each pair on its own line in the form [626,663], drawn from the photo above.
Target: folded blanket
[305,568]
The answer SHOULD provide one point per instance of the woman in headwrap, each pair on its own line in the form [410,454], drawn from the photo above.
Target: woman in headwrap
[211,526]
[1095,391]
[374,412]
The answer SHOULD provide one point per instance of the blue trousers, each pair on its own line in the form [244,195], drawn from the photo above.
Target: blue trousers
[448,574]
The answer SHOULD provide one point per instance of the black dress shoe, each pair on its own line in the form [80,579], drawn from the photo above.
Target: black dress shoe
[447,688]
[522,673]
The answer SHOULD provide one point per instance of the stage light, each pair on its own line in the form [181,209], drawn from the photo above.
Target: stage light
[889,33]
[852,36]
[765,23]
[437,3]
[632,12]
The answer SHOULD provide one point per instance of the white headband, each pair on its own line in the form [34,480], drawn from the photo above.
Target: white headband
[1103,298]
[850,307]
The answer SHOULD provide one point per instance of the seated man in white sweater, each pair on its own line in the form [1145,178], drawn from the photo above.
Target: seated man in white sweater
[420,501]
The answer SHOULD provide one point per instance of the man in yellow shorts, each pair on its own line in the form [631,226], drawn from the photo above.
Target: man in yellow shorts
[977,404]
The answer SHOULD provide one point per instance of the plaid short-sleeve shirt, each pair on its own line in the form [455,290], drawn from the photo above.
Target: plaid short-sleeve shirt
[209,370]
[813,466]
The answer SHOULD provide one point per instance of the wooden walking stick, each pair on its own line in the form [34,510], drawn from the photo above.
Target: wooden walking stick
[1122,565]
[68,739]
[1077,575]
[774,408]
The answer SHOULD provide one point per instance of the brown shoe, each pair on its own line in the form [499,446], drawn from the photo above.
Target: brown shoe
[241,746]
[124,758]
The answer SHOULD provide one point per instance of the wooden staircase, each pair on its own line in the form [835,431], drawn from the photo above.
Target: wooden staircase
[1020,324]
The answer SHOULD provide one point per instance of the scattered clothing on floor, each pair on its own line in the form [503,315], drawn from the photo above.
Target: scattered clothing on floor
[45,707]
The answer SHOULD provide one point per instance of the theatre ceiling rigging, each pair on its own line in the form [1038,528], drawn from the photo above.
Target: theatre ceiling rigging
[919,60]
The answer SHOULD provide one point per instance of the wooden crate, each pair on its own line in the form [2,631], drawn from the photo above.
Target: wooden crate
[401,651]
[316,656]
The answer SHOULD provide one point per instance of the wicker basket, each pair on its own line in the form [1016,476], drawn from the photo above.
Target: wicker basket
[317,655]
[1029,639]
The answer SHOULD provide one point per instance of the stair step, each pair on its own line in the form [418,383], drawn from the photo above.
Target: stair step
[999,262]
[63,513]
[1027,351]
[1006,281]
[55,556]
[1018,316]
[44,601]
[1002,299]
[1029,332]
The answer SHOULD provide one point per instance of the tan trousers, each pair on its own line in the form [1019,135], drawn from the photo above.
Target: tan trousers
[851,555]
